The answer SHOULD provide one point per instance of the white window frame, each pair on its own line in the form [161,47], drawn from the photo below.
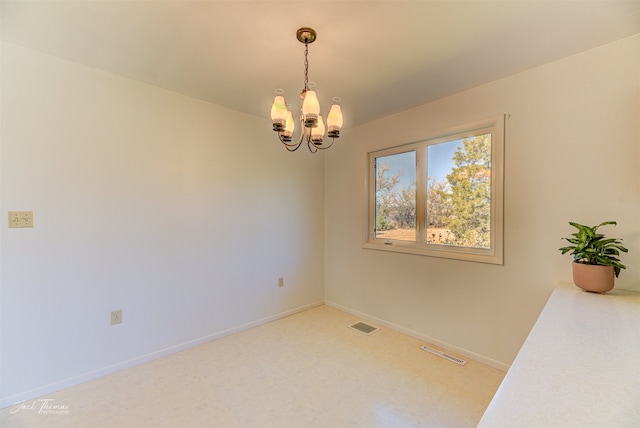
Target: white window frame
[494,254]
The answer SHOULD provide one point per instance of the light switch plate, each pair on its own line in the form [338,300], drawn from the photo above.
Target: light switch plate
[20,219]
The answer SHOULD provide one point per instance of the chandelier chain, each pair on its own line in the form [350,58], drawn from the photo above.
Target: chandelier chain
[306,66]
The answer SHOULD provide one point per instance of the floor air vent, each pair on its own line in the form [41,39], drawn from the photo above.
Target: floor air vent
[443,355]
[364,328]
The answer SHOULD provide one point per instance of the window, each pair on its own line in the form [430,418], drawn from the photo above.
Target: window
[441,196]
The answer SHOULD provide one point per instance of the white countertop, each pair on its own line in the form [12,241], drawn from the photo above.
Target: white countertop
[579,367]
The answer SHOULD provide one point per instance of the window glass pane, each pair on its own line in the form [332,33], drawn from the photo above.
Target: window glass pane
[395,196]
[459,192]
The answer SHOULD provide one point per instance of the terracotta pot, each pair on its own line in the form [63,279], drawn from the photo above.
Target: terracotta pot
[594,278]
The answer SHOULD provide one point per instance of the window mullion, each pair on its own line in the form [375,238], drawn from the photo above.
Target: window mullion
[371,229]
[421,194]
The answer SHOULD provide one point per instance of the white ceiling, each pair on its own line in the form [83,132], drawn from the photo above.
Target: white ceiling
[381,57]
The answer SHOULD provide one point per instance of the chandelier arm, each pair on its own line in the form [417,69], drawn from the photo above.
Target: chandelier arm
[312,147]
[318,147]
[303,131]
[292,147]
[288,143]
[326,147]
[296,144]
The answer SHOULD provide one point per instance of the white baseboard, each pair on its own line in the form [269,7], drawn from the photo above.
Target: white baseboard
[452,348]
[75,380]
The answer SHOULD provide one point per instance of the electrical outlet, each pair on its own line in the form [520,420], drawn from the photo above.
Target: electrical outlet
[281,282]
[116,317]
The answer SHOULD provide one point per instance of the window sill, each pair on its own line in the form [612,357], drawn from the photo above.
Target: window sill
[442,251]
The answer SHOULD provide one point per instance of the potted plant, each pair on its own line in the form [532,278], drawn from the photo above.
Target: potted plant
[595,258]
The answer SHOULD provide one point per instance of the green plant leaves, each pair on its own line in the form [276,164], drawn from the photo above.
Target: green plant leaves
[590,247]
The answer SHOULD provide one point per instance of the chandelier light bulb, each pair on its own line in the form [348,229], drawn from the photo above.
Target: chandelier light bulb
[334,119]
[289,127]
[317,133]
[278,113]
[310,108]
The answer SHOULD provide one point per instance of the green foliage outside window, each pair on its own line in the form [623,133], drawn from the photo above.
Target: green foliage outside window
[470,193]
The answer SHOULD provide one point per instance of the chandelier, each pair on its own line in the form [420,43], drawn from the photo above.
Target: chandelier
[312,126]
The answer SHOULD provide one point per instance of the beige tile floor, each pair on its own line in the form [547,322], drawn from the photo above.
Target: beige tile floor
[306,370]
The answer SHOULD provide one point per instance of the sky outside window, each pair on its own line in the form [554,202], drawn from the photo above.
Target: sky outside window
[439,163]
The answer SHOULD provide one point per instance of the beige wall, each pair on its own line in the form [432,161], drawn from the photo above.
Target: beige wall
[572,153]
[181,213]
